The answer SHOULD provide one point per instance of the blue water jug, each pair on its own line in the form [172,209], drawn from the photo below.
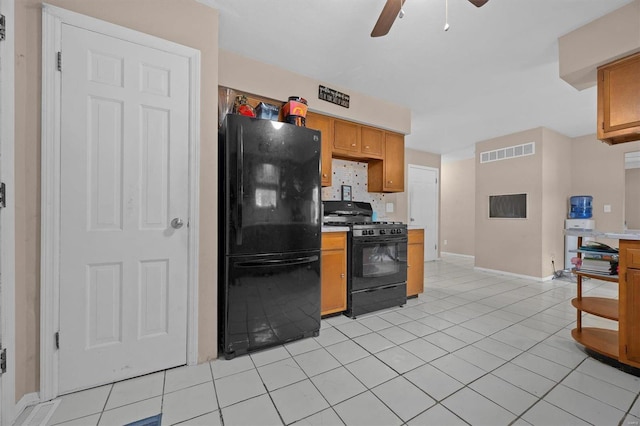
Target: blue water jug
[580,207]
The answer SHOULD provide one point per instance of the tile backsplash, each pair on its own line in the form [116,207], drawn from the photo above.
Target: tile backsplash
[355,174]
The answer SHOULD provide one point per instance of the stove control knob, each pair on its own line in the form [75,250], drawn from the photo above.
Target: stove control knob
[382,232]
[371,231]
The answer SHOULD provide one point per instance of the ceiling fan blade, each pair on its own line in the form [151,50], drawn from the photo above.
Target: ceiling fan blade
[387,17]
[478,3]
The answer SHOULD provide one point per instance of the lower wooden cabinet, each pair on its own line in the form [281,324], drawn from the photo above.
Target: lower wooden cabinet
[629,303]
[415,262]
[334,273]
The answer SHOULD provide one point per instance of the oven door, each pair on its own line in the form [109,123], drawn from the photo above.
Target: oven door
[378,261]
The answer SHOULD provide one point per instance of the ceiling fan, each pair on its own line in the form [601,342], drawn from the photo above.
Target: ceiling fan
[392,9]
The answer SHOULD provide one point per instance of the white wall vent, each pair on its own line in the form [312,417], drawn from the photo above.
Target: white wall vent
[508,152]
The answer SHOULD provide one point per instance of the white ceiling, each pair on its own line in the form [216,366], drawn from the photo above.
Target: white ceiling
[495,71]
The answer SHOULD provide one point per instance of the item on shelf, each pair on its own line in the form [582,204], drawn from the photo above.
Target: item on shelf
[295,111]
[226,99]
[597,247]
[243,108]
[267,111]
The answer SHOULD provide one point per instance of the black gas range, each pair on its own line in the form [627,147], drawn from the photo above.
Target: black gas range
[376,257]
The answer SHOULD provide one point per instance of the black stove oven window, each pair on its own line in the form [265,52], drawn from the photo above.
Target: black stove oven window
[379,260]
[376,264]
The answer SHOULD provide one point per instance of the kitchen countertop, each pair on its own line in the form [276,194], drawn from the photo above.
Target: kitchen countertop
[415,227]
[622,235]
[335,228]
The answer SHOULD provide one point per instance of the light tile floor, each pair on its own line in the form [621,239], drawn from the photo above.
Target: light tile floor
[476,348]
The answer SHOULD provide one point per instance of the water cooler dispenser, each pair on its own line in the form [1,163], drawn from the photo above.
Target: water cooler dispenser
[579,215]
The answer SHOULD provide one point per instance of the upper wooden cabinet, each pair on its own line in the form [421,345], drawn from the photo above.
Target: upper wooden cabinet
[384,151]
[325,125]
[353,140]
[619,100]
[371,142]
[346,138]
[388,175]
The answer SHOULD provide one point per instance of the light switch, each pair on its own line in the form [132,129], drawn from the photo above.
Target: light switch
[389,207]
[607,208]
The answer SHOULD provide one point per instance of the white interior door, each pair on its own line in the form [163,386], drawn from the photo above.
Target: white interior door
[7,215]
[423,206]
[124,176]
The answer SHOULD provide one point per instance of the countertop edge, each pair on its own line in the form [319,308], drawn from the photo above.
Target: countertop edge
[335,229]
[610,235]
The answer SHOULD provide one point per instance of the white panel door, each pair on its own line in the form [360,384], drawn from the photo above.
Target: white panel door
[124,178]
[423,206]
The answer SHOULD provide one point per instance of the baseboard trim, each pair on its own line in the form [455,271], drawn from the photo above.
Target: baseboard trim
[26,401]
[467,256]
[510,274]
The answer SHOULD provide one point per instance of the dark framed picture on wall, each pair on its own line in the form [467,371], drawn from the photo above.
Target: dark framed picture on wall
[346,192]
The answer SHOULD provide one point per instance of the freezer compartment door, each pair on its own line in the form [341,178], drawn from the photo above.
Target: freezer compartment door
[269,300]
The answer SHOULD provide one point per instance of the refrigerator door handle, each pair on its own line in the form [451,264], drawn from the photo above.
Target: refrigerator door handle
[240,183]
[277,262]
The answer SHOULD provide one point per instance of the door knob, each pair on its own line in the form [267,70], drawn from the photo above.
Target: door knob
[177,223]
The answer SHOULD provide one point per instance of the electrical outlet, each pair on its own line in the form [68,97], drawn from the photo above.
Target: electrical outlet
[445,242]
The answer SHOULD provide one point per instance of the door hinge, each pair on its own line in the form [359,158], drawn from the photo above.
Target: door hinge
[57,340]
[3,28]
[3,361]
[59,61]
[3,195]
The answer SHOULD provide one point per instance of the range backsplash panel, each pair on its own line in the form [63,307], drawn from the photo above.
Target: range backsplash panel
[355,174]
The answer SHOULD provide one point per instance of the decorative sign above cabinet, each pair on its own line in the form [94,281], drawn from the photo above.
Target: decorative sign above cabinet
[333,96]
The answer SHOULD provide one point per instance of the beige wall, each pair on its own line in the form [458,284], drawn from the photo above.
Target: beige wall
[457,223]
[562,167]
[251,76]
[632,198]
[601,41]
[597,169]
[510,245]
[182,21]
[556,185]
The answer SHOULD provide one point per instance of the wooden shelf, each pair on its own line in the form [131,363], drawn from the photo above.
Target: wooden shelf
[600,306]
[600,340]
[593,275]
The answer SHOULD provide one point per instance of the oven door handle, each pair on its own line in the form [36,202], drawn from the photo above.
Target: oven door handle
[378,240]
[386,287]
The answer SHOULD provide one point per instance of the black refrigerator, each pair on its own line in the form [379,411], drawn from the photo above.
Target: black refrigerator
[269,234]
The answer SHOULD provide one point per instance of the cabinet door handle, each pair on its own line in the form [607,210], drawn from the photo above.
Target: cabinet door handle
[324,175]
[389,181]
[353,144]
[367,146]
[342,275]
